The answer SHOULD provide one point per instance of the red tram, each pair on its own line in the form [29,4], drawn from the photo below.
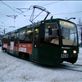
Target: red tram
[47,42]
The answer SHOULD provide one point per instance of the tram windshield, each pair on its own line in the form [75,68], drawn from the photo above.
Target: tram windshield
[69,33]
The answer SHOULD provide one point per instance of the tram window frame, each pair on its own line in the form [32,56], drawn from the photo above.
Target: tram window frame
[12,37]
[5,38]
[28,34]
[36,34]
[17,35]
[22,34]
[52,37]
[50,30]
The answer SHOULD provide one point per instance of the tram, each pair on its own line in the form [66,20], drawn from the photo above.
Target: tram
[48,42]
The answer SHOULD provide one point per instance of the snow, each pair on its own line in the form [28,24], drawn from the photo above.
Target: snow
[13,69]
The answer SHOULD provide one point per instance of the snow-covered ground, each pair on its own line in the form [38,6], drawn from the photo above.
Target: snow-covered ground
[13,69]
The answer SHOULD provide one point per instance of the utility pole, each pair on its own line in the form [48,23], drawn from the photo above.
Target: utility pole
[3,25]
[4,31]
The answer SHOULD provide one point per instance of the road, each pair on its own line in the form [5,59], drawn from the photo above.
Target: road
[13,69]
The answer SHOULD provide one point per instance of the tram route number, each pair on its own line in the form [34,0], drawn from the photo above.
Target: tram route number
[64,55]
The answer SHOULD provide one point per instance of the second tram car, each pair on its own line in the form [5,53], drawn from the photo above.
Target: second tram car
[47,42]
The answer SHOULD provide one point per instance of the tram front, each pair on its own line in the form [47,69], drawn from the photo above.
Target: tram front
[69,41]
[57,41]
[62,38]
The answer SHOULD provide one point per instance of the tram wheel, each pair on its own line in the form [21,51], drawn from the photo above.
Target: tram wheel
[21,55]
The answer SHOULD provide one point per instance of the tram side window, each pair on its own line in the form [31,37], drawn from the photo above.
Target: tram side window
[16,36]
[51,31]
[22,35]
[5,38]
[12,37]
[28,35]
[36,30]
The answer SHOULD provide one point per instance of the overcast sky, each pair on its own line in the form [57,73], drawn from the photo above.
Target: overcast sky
[59,9]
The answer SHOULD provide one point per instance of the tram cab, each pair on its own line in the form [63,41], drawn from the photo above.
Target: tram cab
[57,41]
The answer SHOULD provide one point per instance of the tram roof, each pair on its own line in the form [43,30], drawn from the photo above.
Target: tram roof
[36,24]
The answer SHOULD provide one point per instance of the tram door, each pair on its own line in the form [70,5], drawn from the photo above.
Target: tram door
[34,55]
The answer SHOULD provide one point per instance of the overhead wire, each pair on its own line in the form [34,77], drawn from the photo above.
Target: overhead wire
[74,12]
[15,10]
[42,5]
[20,9]
[9,6]
[50,3]
[30,8]
[62,13]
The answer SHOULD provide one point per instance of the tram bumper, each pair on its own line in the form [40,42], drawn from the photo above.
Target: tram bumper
[69,55]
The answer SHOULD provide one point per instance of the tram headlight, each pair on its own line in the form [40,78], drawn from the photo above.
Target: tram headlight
[74,51]
[65,51]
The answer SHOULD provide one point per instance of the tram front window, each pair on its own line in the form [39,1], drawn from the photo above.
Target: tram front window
[51,33]
[69,34]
